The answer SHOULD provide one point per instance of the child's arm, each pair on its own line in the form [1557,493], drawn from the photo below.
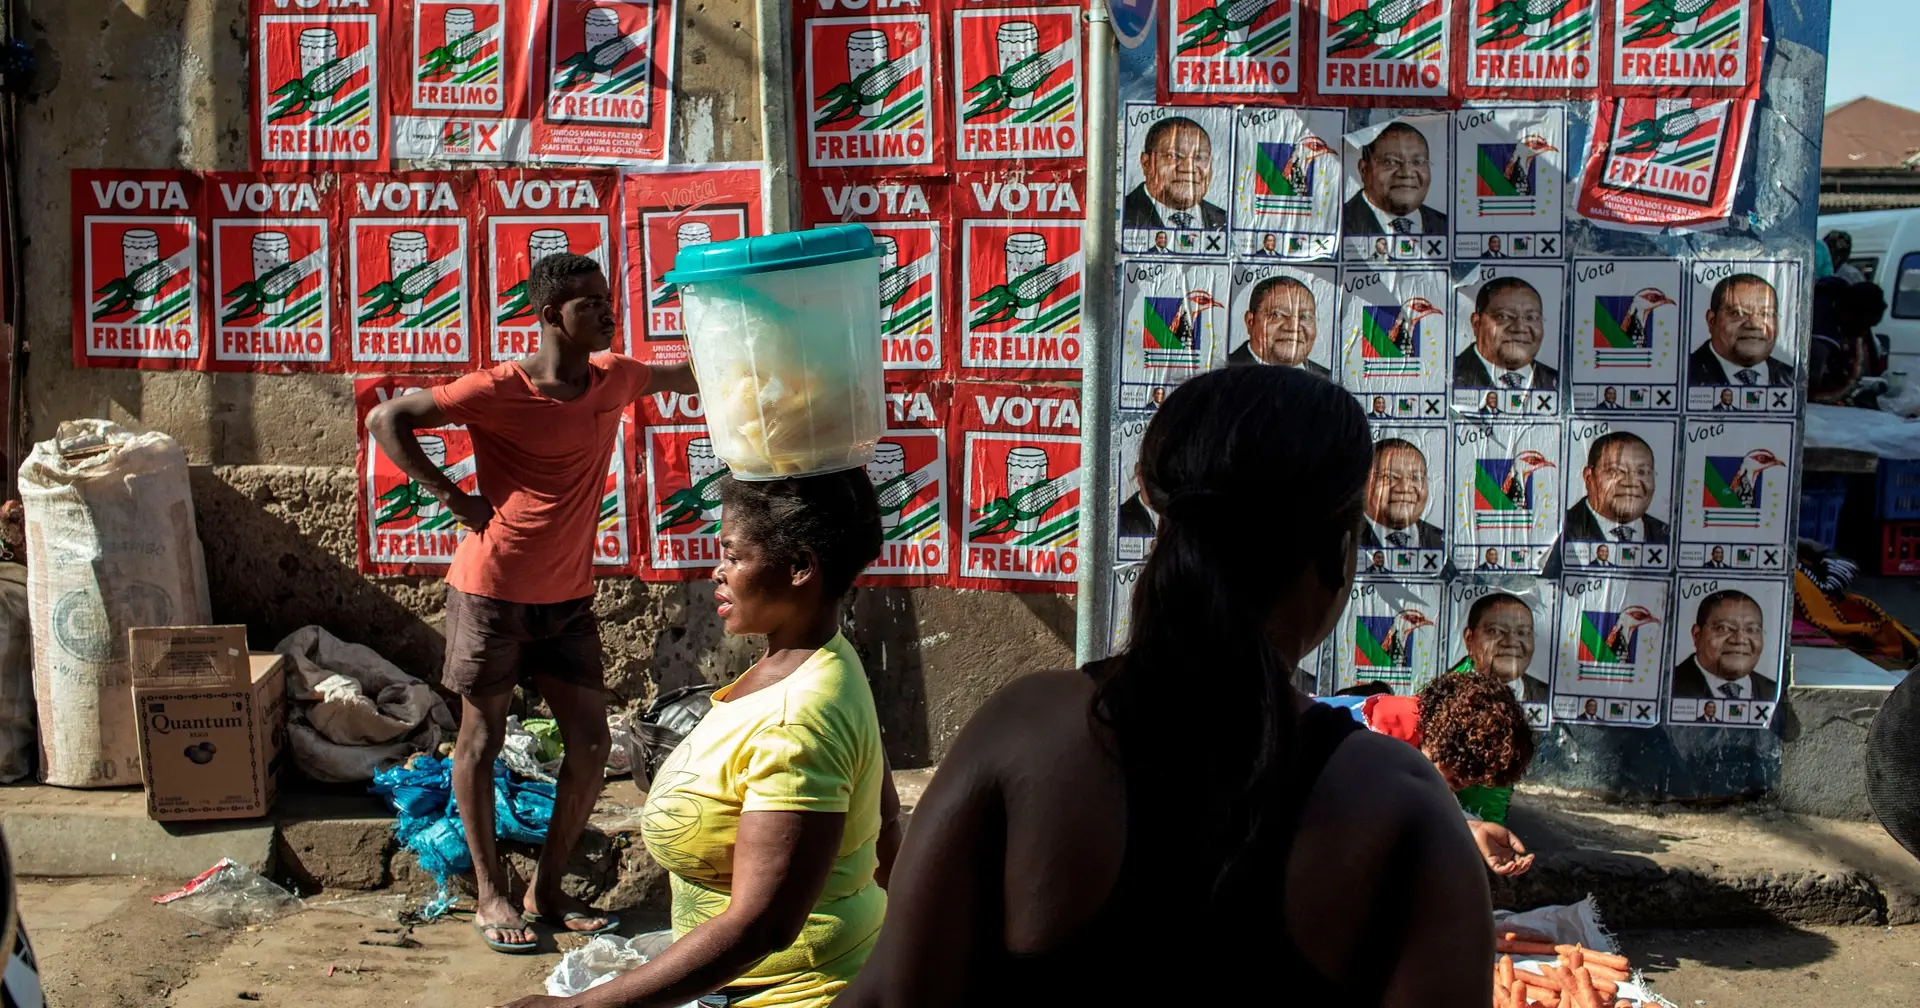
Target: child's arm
[393,423]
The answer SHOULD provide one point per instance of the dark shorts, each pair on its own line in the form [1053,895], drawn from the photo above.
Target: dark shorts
[493,645]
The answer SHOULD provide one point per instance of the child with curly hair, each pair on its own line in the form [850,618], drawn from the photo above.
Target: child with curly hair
[1470,727]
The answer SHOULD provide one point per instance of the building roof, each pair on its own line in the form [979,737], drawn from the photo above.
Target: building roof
[1869,133]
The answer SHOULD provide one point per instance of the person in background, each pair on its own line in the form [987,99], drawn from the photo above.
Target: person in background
[1473,729]
[520,590]
[775,818]
[1072,811]
[1839,246]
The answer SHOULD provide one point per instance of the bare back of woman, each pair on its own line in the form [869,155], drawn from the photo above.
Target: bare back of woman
[1177,825]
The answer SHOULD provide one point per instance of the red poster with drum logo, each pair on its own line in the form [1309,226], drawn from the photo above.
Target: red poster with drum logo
[1657,163]
[1385,52]
[869,85]
[604,81]
[909,473]
[402,529]
[1018,314]
[1220,49]
[1530,48]
[910,223]
[1017,92]
[663,212]
[139,293]
[681,487]
[1016,486]
[459,79]
[317,92]
[272,271]
[525,216]
[409,246]
[1685,48]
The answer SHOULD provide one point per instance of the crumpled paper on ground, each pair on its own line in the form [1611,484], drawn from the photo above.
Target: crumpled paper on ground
[351,712]
[525,749]
[1575,924]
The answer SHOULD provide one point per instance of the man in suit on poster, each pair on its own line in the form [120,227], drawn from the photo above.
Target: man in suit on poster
[1499,639]
[1743,322]
[1397,497]
[1620,480]
[1176,170]
[1282,324]
[1509,326]
[1729,639]
[1396,170]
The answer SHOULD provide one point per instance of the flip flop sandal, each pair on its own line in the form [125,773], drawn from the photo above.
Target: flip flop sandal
[612,922]
[502,947]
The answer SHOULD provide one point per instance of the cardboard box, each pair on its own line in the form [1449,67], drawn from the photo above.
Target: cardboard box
[212,722]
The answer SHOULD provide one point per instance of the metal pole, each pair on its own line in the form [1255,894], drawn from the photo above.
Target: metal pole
[1098,505]
[777,117]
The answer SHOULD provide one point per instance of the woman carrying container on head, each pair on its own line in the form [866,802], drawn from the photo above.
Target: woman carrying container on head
[775,818]
[1177,825]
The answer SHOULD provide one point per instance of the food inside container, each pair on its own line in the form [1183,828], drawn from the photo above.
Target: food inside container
[784,334]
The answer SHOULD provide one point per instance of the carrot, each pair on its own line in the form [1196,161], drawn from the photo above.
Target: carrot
[1571,957]
[1609,972]
[1618,962]
[1605,988]
[1580,988]
[1543,996]
[1525,948]
[1503,971]
[1523,934]
[1550,976]
[1516,997]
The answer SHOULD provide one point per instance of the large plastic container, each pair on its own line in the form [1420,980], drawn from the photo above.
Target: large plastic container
[784,331]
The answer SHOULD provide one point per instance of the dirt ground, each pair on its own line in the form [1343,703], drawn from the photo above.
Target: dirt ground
[102,943]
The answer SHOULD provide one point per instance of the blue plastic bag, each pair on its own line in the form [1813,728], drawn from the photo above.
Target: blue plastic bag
[427,819]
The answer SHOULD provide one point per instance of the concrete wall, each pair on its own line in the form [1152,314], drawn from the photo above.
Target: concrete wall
[163,84]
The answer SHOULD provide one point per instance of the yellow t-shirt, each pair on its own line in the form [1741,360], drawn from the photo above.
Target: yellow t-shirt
[810,743]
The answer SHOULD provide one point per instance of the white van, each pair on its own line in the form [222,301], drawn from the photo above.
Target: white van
[1886,248]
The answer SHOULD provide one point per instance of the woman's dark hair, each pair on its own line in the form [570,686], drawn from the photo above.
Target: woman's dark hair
[833,515]
[1258,475]
[1473,729]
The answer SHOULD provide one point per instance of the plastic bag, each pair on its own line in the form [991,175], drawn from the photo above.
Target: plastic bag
[230,895]
[428,819]
[602,959]
[668,720]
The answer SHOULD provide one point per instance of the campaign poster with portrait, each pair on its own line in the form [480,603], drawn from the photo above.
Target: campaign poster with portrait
[1729,651]
[1285,315]
[272,271]
[1509,182]
[1611,650]
[682,486]
[1390,52]
[1504,625]
[316,88]
[663,211]
[1289,186]
[1508,495]
[909,220]
[1736,315]
[1018,500]
[1394,341]
[1685,47]
[138,289]
[1546,48]
[1218,49]
[1740,482]
[1021,274]
[1664,164]
[1135,525]
[1405,533]
[603,69]
[526,216]
[1399,191]
[1017,91]
[1627,325]
[909,474]
[1507,326]
[1621,475]
[1120,617]
[1177,171]
[1175,325]
[411,251]
[462,88]
[1389,633]
[868,91]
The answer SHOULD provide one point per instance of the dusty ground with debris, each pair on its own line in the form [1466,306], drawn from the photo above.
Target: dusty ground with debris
[103,944]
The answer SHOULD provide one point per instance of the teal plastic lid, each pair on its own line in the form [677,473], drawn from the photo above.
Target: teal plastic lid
[821,246]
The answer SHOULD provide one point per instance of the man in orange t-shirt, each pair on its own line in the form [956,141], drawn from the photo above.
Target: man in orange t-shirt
[520,590]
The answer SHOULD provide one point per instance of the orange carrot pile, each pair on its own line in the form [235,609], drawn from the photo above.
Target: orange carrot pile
[1577,978]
